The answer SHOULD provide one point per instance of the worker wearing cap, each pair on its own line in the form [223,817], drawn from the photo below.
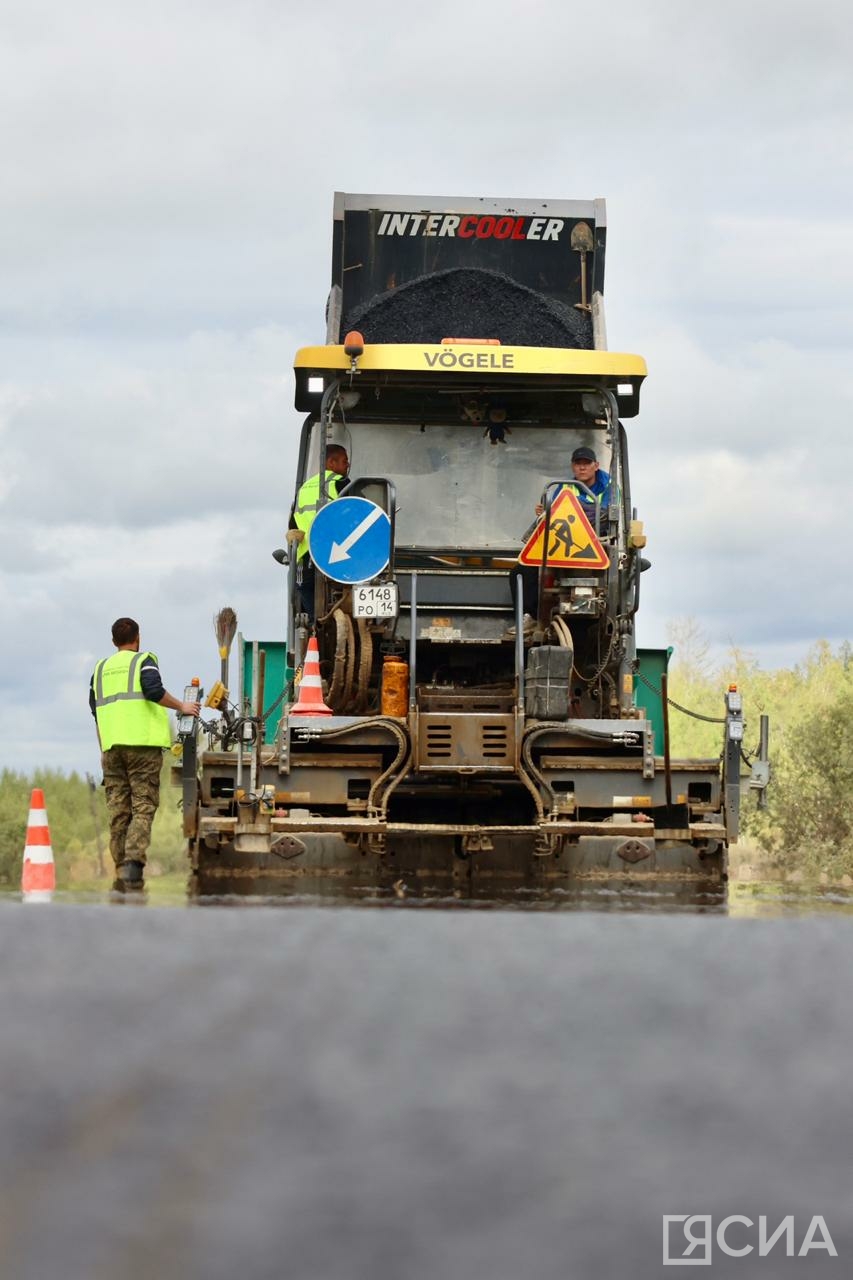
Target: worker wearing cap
[585,468]
[309,499]
[130,706]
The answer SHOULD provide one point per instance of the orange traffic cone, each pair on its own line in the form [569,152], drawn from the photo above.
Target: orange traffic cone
[38,879]
[311,686]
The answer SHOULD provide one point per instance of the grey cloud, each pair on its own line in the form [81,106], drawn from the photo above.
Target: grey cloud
[166,207]
[208,426]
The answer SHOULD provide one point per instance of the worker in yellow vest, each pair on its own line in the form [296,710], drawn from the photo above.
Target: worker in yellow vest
[130,706]
[308,502]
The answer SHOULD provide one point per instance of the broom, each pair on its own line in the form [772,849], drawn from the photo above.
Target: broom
[225,628]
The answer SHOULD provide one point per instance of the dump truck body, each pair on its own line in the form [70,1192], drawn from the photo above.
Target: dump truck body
[447,729]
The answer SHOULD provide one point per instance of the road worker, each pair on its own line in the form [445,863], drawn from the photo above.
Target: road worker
[585,468]
[312,494]
[130,704]
[594,503]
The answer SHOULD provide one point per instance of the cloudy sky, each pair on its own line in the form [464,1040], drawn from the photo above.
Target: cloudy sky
[168,172]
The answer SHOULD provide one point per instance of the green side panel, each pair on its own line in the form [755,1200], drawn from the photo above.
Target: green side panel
[653,665]
[277,673]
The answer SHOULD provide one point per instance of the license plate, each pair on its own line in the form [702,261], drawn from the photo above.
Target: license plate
[375,602]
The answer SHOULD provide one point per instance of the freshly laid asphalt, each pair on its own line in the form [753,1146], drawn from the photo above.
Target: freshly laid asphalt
[352,1094]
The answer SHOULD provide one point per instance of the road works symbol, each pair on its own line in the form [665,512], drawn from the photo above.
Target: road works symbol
[571,541]
[350,540]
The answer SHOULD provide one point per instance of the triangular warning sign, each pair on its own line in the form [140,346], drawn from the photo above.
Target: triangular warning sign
[571,541]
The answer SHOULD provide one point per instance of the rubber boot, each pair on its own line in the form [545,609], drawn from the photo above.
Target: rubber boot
[132,873]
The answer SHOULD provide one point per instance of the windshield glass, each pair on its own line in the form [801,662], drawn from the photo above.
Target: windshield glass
[457,489]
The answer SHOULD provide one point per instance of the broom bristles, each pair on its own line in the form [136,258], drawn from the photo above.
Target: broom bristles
[225,627]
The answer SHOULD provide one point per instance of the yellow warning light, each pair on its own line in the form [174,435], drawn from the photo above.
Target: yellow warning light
[195,682]
[353,344]
[732,688]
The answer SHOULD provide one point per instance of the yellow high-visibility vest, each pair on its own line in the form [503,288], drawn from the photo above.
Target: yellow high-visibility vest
[126,718]
[308,504]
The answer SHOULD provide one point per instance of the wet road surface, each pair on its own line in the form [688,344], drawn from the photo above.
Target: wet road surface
[344,1093]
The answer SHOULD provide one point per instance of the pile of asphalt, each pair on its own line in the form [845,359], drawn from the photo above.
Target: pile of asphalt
[469,303]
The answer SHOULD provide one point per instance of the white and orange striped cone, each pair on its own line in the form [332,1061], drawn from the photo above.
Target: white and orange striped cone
[38,879]
[311,686]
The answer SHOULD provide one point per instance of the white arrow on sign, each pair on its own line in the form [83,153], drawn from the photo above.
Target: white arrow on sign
[340,550]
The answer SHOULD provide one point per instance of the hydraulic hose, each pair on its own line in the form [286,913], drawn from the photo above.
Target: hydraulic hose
[381,722]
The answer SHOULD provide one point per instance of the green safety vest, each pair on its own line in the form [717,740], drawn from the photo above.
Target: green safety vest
[308,504]
[125,716]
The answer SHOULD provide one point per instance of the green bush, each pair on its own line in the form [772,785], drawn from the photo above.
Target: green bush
[808,822]
[809,817]
[77,817]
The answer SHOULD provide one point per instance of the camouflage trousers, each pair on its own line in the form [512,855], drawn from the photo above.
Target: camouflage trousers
[132,784]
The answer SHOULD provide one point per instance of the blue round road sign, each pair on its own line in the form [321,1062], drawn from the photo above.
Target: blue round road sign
[350,540]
